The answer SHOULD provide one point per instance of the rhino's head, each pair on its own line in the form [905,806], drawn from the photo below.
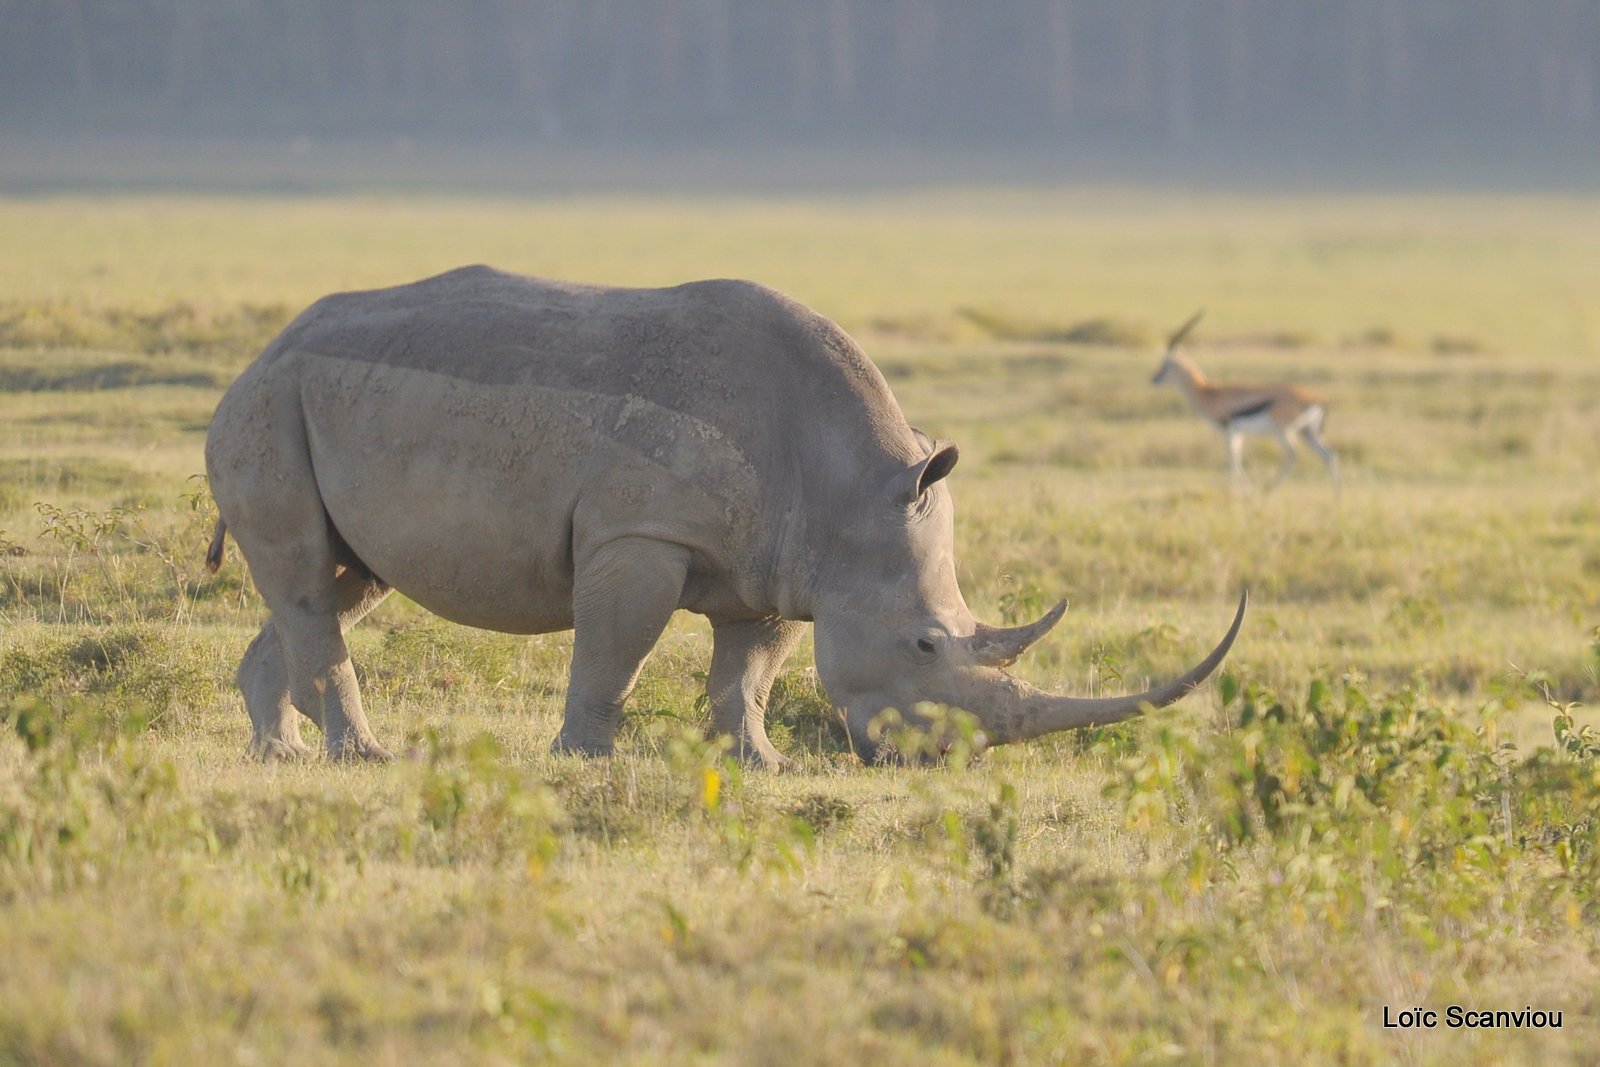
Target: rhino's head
[892,629]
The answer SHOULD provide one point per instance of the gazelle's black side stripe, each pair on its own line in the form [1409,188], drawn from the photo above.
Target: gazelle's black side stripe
[1251,411]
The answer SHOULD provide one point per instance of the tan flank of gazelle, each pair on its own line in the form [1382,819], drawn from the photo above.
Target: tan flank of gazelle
[1274,409]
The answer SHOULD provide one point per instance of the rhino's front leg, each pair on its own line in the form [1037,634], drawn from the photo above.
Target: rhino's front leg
[746,657]
[623,594]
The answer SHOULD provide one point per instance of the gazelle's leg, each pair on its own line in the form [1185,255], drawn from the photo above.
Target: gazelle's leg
[1313,437]
[1290,457]
[1235,457]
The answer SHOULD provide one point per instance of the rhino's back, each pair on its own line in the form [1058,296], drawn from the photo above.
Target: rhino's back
[731,353]
[470,431]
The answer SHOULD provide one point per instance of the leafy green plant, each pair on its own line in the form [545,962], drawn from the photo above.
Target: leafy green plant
[477,803]
[437,656]
[87,797]
[714,786]
[1573,741]
[80,532]
[930,734]
[1364,804]
[151,671]
[994,838]
[1021,601]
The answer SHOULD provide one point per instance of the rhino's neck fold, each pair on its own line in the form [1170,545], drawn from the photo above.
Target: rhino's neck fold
[794,571]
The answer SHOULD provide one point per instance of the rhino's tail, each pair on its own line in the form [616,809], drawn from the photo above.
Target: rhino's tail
[214,553]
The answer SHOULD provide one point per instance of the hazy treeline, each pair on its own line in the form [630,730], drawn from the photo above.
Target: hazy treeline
[931,69]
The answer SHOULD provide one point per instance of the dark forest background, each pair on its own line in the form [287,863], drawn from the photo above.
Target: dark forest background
[917,71]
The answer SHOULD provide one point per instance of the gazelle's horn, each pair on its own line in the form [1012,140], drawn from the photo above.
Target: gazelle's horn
[1183,331]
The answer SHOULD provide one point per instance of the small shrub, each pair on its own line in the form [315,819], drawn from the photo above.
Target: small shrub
[1002,326]
[1574,742]
[144,665]
[822,812]
[35,666]
[801,715]
[476,803]
[929,734]
[1456,345]
[439,656]
[994,839]
[1022,602]
[1375,337]
[86,796]
[1370,805]
[178,327]
[1417,614]
[1107,332]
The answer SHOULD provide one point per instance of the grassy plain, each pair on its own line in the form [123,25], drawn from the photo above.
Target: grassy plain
[1255,874]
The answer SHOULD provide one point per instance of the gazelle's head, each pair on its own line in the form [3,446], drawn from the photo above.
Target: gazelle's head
[1175,365]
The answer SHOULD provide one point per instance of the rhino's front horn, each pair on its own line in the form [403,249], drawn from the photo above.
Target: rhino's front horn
[1000,646]
[1025,712]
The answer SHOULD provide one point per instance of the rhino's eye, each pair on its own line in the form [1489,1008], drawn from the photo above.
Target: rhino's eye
[925,644]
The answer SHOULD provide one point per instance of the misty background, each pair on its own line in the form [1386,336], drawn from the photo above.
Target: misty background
[1344,90]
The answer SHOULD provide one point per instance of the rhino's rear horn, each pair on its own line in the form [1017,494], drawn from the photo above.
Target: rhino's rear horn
[1000,646]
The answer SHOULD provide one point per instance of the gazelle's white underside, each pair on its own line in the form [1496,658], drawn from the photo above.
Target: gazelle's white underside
[1263,423]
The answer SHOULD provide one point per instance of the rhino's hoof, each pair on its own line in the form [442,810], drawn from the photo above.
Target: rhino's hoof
[767,759]
[276,749]
[361,751]
[592,749]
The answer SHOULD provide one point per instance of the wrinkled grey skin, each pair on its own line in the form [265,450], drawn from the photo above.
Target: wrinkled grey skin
[530,456]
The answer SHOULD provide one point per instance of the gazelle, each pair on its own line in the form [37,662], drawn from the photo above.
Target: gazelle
[1273,410]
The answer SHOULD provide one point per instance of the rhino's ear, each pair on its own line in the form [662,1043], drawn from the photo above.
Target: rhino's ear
[911,483]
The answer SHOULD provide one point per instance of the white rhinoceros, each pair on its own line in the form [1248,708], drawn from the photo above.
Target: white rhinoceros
[530,456]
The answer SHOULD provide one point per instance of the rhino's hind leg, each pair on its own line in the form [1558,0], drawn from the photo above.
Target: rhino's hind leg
[746,656]
[295,567]
[264,677]
[623,594]
[264,681]
[322,681]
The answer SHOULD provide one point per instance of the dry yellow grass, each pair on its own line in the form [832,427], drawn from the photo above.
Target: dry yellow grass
[163,901]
